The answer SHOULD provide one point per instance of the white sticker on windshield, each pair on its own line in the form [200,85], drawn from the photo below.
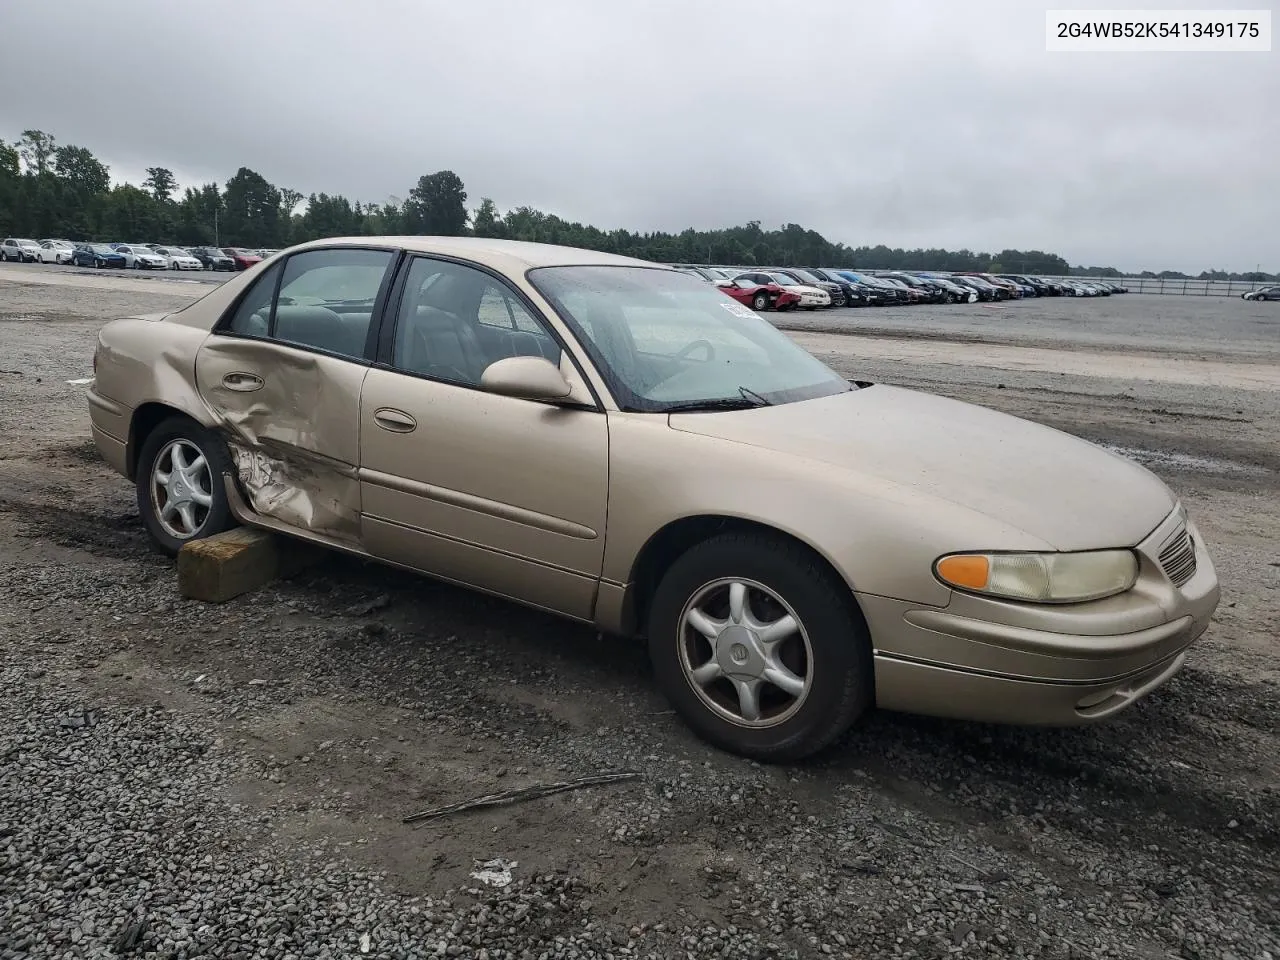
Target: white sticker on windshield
[739,310]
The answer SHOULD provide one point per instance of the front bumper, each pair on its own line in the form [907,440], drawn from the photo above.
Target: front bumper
[999,662]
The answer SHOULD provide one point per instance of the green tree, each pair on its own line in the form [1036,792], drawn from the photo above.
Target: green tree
[160,183]
[131,213]
[328,216]
[437,206]
[36,149]
[486,222]
[9,165]
[82,170]
[200,215]
[252,210]
[289,200]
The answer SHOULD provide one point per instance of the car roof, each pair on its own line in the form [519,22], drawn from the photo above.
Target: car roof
[511,255]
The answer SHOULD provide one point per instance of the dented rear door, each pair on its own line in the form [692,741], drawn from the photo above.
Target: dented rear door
[291,419]
[283,372]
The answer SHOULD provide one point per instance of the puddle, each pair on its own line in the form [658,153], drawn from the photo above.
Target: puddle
[1184,461]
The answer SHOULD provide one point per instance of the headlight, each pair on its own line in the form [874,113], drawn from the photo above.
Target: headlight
[1041,577]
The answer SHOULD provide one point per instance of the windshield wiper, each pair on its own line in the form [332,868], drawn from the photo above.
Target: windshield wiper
[746,400]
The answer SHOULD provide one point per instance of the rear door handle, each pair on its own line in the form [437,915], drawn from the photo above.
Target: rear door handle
[243,382]
[397,421]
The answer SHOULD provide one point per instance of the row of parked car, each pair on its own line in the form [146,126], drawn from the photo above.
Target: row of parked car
[811,288]
[131,256]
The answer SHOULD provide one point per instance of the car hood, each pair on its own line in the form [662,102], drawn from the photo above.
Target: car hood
[804,288]
[1064,491]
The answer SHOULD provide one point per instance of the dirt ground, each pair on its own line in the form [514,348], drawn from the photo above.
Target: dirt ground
[287,732]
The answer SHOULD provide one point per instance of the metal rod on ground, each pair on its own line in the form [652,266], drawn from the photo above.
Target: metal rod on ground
[522,794]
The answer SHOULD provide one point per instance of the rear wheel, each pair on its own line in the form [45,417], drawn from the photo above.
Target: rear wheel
[760,647]
[179,484]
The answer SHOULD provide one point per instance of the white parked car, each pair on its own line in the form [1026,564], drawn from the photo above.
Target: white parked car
[55,251]
[142,258]
[23,251]
[179,259]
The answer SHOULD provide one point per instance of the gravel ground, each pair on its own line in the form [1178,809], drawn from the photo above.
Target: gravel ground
[178,780]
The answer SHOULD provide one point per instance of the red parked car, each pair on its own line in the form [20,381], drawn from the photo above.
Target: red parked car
[244,258]
[769,296]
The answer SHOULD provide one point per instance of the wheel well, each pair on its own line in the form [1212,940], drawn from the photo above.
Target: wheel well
[145,419]
[665,546]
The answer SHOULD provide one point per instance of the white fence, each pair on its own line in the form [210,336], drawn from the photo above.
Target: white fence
[1183,288]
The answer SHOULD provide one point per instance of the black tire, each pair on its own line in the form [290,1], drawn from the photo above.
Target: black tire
[760,302]
[218,517]
[841,672]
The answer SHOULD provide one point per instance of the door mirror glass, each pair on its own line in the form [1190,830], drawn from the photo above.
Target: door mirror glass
[528,378]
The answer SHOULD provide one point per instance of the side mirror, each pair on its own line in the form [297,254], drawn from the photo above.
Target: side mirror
[528,378]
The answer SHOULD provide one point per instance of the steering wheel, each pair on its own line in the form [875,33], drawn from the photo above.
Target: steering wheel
[689,348]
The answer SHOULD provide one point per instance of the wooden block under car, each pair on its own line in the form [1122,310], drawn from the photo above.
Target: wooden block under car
[229,564]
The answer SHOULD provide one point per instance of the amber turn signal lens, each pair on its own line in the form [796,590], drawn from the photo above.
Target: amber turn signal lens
[970,572]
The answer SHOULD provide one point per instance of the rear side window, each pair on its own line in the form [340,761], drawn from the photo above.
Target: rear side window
[253,316]
[327,299]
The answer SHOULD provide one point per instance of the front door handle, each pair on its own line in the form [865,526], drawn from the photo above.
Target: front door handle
[243,382]
[397,421]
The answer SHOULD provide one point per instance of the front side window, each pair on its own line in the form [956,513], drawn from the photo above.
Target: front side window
[664,340]
[455,320]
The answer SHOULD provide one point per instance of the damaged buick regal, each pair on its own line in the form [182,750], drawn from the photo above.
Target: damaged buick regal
[627,446]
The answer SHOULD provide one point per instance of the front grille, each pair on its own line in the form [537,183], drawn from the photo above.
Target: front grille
[1178,558]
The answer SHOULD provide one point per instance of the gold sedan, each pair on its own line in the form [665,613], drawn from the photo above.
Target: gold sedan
[626,445]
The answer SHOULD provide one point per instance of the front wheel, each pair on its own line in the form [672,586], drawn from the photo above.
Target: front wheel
[179,484]
[760,647]
[760,302]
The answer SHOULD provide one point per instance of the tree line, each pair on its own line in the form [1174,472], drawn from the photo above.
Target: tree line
[49,189]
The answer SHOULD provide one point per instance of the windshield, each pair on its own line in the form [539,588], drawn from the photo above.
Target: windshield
[784,280]
[663,339]
[806,276]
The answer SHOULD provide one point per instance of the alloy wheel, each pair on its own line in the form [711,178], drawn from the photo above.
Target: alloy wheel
[745,653]
[181,489]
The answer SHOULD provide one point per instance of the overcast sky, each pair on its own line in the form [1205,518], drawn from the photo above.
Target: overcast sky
[910,123]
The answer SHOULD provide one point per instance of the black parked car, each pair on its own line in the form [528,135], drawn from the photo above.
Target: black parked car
[836,290]
[986,292]
[931,292]
[1041,287]
[896,294]
[1262,293]
[855,294]
[872,296]
[959,292]
[211,258]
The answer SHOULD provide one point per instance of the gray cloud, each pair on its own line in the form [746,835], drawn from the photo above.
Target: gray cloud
[919,123]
